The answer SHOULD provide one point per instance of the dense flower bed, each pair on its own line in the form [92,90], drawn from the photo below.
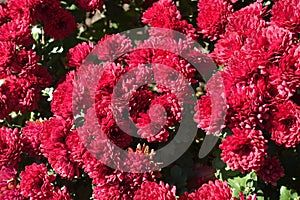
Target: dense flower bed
[43,44]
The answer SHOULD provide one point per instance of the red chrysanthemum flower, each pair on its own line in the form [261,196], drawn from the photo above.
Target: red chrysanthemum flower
[245,150]
[247,21]
[29,79]
[53,146]
[19,8]
[164,111]
[10,147]
[213,17]
[268,45]
[245,86]
[77,54]
[291,59]
[286,14]
[97,150]
[281,86]
[242,24]
[151,125]
[17,31]
[285,129]
[24,62]
[173,75]
[61,25]
[164,14]
[43,10]
[8,184]
[271,171]
[226,47]
[123,185]
[153,190]
[112,48]
[107,193]
[284,79]
[95,169]
[246,80]
[31,138]
[36,183]
[35,9]
[90,5]
[216,190]
[264,46]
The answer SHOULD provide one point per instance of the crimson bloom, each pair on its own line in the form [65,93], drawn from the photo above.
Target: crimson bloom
[10,147]
[31,138]
[53,146]
[285,13]
[164,14]
[216,190]
[36,183]
[285,129]
[77,54]
[245,150]
[60,25]
[271,171]
[213,17]
[153,190]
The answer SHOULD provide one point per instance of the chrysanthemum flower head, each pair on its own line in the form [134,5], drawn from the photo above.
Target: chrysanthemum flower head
[245,150]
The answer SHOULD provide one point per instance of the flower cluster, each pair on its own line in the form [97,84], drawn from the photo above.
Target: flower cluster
[244,150]
[22,77]
[260,61]
[164,14]
[58,22]
[36,183]
[117,101]
[212,190]
[153,190]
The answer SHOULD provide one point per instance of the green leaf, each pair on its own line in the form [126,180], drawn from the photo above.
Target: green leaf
[47,92]
[36,31]
[72,7]
[260,195]
[245,184]
[288,194]
[2,81]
